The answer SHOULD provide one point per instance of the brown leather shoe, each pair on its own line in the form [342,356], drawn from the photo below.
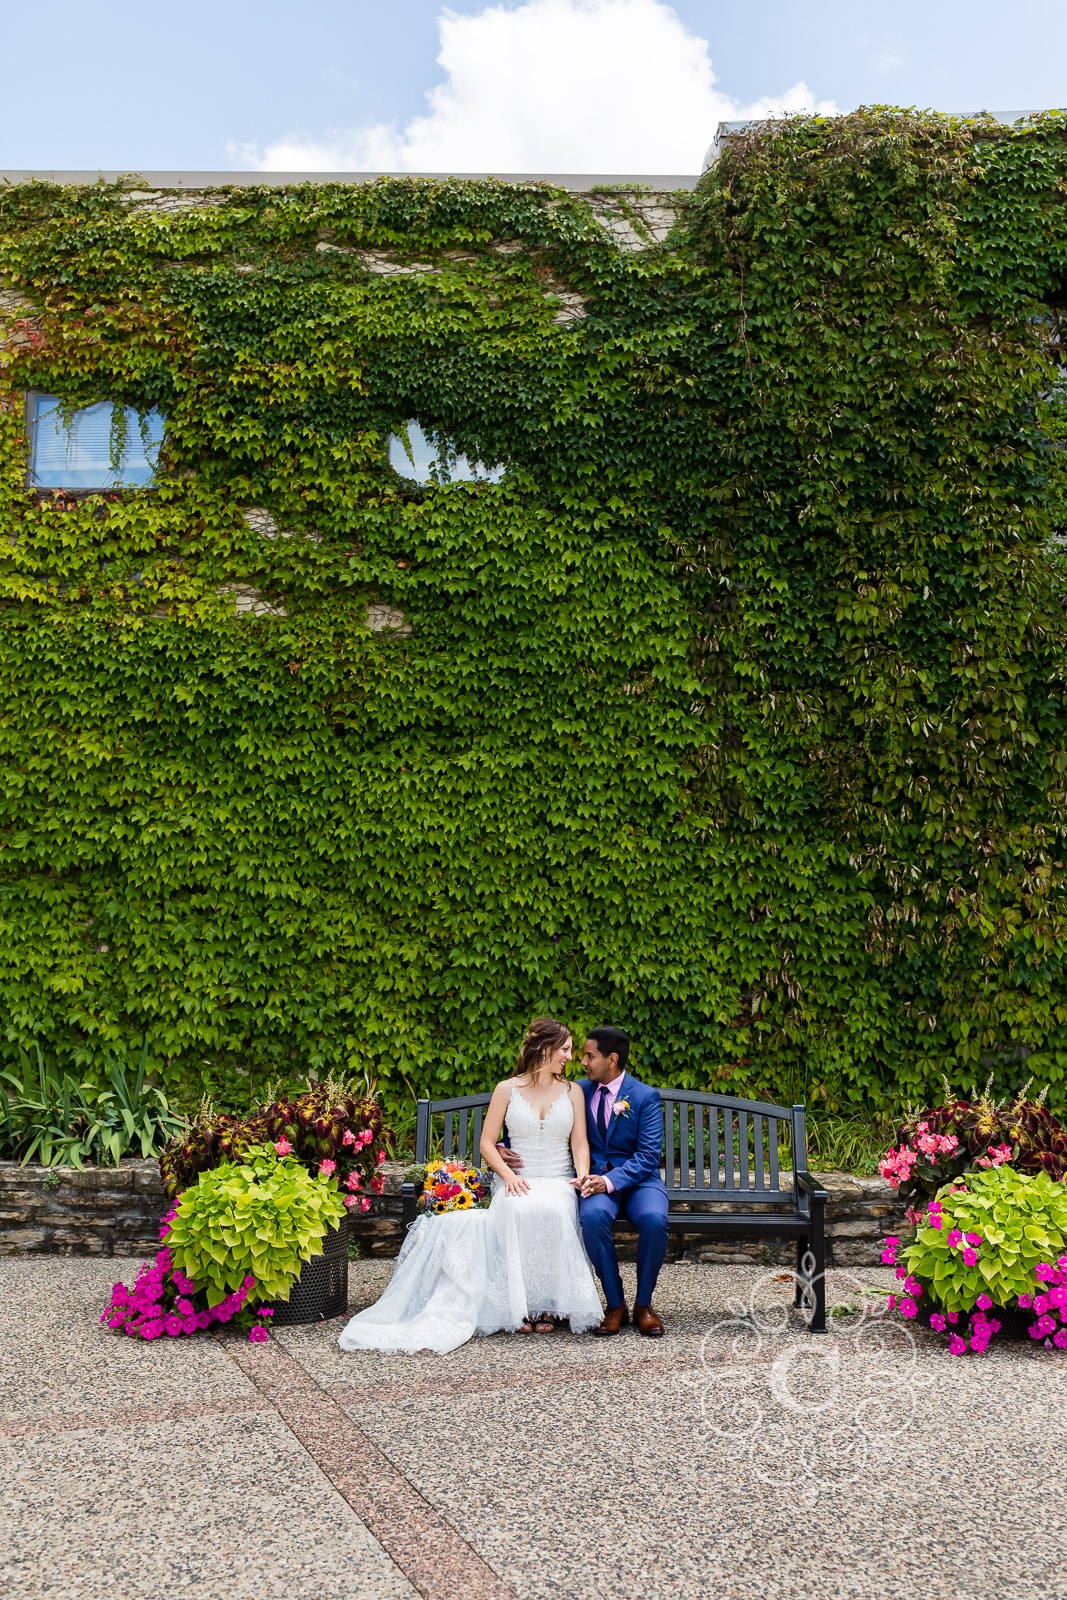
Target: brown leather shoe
[615,1319]
[647,1322]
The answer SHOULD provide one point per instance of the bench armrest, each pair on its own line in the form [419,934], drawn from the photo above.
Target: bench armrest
[409,1194]
[812,1193]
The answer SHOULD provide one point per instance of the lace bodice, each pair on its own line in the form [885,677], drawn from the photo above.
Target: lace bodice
[543,1144]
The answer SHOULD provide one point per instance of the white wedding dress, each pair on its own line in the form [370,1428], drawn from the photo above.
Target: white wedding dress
[480,1271]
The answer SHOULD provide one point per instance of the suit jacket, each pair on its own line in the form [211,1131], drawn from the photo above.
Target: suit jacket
[633,1149]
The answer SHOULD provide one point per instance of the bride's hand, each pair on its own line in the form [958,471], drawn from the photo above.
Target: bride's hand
[513,1184]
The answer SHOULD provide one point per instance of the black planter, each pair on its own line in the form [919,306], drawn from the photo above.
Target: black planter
[321,1290]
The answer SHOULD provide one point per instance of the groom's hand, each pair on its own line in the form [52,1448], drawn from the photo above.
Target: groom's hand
[509,1157]
[594,1184]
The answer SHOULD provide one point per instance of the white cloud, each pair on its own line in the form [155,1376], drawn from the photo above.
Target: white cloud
[608,86]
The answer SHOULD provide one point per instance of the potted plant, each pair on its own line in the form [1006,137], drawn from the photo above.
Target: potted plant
[334,1135]
[987,1248]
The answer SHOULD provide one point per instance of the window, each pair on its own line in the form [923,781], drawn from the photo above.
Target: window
[76,453]
[428,462]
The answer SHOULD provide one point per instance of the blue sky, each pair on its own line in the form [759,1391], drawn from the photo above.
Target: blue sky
[553,85]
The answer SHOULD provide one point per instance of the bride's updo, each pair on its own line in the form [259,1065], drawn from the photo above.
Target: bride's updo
[542,1036]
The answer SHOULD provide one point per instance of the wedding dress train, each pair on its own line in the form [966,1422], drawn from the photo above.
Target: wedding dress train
[480,1271]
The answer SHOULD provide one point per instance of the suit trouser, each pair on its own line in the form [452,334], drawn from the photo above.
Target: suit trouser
[645,1206]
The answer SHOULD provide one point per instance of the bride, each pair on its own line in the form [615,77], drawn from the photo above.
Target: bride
[519,1264]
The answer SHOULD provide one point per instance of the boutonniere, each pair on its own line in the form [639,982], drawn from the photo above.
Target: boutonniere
[621,1108]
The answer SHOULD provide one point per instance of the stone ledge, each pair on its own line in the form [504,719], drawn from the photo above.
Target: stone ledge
[115,1211]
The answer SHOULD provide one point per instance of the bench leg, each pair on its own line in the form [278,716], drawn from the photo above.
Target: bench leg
[410,1210]
[811,1272]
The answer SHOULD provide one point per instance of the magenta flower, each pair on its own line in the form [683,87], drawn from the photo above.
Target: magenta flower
[1025,1302]
[891,1303]
[1044,1272]
[283,1147]
[955,1238]
[190,1323]
[902,1272]
[184,1306]
[983,1302]
[914,1287]
[258,1335]
[937,1322]
[327,1168]
[957,1346]
[1059,1339]
[994,1326]
[974,1239]
[265,1311]
[888,1258]
[1041,1304]
[908,1308]
[152,1329]
[970,1258]
[935,1219]
[952,1316]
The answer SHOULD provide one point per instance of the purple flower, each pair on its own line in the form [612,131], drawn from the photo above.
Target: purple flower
[1025,1302]
[994,1326]
[952,1316]
[184,1306]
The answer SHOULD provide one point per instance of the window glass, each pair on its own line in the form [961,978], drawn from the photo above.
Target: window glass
[427,463]
[77,454]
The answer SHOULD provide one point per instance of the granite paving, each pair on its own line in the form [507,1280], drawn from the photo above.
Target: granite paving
[738,1457]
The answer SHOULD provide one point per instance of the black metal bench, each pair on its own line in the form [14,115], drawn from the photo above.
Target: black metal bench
[718,1153]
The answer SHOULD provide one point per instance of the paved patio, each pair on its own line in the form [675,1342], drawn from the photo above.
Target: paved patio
[738,1457]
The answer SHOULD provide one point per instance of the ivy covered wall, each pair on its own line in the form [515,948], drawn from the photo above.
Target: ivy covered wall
[733,713]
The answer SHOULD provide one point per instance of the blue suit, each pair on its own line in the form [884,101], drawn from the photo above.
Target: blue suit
[630,1157]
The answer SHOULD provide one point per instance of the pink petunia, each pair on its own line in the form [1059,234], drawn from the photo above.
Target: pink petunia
[937,1322]
[908,1308]
[1025,1302]
[902,1272]
[935,1219]
[888,1258]
[1059,1339]
[957,1346]
[983,1302]
[1041,1304]
[974,1239]
[258,1335]
[1044,1272]
[970,1258]
[955,1238]
[952,1316]
[891,1303]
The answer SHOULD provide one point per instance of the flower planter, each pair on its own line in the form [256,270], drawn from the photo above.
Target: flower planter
[321,1290]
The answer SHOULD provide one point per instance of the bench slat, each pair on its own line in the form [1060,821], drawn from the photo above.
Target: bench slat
[758,1125]
[742,1147]
[728,1147]
[698,1148]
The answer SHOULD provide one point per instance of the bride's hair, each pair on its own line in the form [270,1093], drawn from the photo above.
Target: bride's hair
[543,1035]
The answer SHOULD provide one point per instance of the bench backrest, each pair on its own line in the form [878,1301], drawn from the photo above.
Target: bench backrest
[715,1148]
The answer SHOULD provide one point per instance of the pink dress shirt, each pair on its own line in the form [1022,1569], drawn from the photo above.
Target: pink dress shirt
[610,1092]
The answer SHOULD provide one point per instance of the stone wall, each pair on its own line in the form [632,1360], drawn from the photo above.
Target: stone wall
[115,1211]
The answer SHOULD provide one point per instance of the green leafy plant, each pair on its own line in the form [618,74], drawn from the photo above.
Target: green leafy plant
[986,1235]
[734,713]
[45,1114]
[49,1117]
[263,1218]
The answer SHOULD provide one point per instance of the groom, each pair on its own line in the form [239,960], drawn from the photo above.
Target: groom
[625,1123]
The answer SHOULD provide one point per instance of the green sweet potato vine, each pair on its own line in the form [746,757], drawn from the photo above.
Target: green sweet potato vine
[734,713]
[262,1218]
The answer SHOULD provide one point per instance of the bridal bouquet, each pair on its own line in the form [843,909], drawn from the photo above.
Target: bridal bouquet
[451,1186]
